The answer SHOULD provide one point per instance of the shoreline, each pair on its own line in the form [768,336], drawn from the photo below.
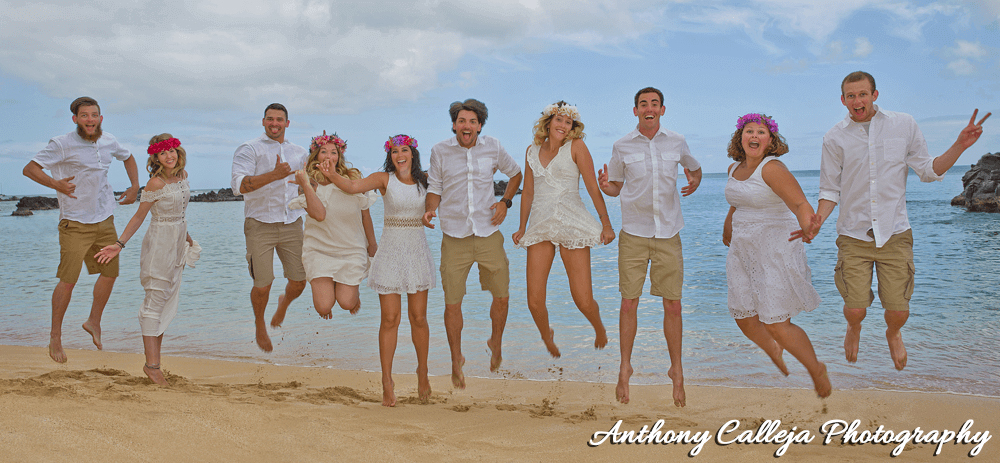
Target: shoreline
[100,405]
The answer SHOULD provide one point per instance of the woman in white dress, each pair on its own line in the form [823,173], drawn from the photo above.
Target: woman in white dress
[164,248]
[339,238]
[766,268]
[403,264]
[553,166]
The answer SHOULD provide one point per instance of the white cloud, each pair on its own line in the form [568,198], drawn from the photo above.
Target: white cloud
[862,47]
[962,67]
[969,50]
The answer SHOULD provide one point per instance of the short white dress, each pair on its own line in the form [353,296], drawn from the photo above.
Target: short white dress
[768,276]
[403,263]
[161,261]
[557,211]
[336,247]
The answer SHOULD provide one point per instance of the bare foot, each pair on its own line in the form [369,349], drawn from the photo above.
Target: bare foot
[154,374]
[551,345]
[355,310]
[263,340]
[851,340]
[896,349]
[95,333]
[457,377]
[602,338]
[325,315]
[778,361]
[822,383]
[56,350]
[677,377]
[279,315]
[388,394]
[495,357]
[621,391]
[423,388]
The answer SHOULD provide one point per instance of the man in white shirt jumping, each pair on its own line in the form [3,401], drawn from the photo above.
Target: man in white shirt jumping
[460,181]
[866,158]
[643,171]
[260,167]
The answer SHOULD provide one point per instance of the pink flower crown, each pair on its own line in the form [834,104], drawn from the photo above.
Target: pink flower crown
[164,145]
[400,140]
[758,118]
[325,139]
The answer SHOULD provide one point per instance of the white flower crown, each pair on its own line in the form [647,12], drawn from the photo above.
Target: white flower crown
[569,111]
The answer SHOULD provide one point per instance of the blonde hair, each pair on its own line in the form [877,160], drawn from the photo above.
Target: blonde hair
[541,129]
[343,167]
[153,165]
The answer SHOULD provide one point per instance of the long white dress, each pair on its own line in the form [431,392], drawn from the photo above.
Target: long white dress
[403,263]
[336,247]
[163,254]
[768,276]
[557,211]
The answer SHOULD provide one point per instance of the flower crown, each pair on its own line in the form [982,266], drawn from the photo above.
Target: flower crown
[325,139]
[400,140]
[164,145]
[562,108]
[758,118]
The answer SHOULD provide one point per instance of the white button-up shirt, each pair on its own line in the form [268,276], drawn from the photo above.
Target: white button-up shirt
[269,203]
[464,180]
[865,172]
[650,202]
[70,155]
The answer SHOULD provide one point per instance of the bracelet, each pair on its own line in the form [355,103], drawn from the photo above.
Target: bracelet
[120,244]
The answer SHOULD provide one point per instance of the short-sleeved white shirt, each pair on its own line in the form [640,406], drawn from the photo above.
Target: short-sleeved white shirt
[865,172]
[269,203]
[650,202]
[71,156]
[464,180]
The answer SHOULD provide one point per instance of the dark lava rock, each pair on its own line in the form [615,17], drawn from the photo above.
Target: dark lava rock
[225,194]
[981,186]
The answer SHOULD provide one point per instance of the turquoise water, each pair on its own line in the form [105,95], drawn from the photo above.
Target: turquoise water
[951,336]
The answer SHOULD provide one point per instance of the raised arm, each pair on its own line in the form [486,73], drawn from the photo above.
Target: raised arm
[35,172]
[585,164]
[966,138]
[377,180]
[527,196]
[609,188]
[255,182]
[314,207]
[783,183]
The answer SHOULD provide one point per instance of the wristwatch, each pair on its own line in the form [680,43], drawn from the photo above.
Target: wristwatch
[507,202]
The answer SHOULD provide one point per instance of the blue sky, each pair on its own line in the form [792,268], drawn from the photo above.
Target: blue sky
[204,70]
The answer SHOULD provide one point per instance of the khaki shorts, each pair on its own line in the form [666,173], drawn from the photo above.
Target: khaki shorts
[263,239]
[893,263]
[79,242]
[457,256]
[666,274]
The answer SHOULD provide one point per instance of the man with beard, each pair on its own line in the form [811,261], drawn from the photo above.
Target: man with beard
[79,162]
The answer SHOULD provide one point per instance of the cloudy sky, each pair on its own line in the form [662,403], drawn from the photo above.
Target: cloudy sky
[204,70]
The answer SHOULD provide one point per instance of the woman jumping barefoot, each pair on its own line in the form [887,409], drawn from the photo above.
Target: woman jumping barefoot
[553,166]
[403,264]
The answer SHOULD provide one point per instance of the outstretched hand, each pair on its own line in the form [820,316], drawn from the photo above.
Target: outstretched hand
[428,216]
[693,182]
[107,253]
[602,177]
[815,222]
[129,196]
[971,133]
[499,213]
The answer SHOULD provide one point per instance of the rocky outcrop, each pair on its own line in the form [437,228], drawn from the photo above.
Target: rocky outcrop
[34,203]
[225,194]
[981,186]
[500,186]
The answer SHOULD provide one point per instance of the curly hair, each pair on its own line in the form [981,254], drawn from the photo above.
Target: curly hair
[343,167]
[470,104]
[153,165]
[541,130]
[416,171]
[776,148]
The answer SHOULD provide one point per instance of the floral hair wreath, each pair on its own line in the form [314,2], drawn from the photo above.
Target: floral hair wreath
[164,145]
[400,140]
[325,139]
[758,118]
[562,108]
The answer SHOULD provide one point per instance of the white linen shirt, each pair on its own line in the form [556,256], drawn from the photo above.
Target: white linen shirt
[865,172]
[464,180]
[71,156]
[269,203]
[650,203]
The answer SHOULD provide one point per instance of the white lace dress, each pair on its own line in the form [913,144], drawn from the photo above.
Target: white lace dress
[162,258]
[768,275]
[336,247]
[557,211]
[403,263]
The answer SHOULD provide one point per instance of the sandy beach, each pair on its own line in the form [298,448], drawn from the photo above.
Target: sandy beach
[99,406]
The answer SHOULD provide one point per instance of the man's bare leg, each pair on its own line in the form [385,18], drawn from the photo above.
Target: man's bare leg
[627,326]
[453,325]
[498,317]
[61,296]
[853,337]
[894,321]
[292,291]
[673,329]
[102,292]
[258,299]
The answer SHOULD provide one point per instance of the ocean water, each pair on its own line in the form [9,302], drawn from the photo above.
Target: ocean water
[952,337]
